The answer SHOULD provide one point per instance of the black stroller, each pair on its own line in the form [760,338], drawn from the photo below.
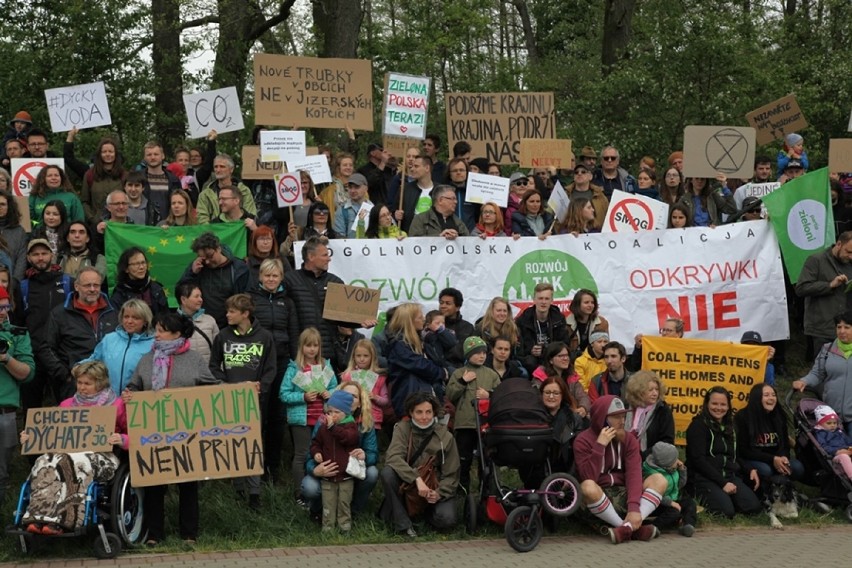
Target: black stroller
[518,435]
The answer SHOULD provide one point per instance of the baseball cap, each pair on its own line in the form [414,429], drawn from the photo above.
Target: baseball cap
[751,337]
[751,203]
[375,146]
[616,407]
[794,164]
[517,176]
[357,179]
[38,242]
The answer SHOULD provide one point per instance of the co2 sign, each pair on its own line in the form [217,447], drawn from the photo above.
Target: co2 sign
[217,110]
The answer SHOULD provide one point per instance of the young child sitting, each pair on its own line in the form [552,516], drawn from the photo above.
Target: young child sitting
[794,149]
[676,506]
[334,442]
[833,439]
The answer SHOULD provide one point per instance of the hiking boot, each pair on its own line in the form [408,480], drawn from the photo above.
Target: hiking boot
[645,532]
[620,534]
[687,530]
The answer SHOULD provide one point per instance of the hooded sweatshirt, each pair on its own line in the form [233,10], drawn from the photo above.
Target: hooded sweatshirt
[616,464]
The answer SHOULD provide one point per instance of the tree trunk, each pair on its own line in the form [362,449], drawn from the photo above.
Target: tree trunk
[169,121]
[618,17]
[529,34]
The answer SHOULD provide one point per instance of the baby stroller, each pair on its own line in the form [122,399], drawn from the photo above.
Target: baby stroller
[518,435]
[821,471]
[114,514]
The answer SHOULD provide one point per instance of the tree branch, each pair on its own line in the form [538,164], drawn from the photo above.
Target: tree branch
[196,23]
[266,25]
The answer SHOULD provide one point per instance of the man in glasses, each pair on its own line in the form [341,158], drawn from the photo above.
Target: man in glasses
[440,220]
[611,176]
[583,187]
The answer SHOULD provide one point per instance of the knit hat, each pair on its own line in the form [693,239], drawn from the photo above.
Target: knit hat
[792,139]
[598,335]
[824,413]
[4,294]
[474,345]
[22,116]
[342,401]
[616,407]
[663,455]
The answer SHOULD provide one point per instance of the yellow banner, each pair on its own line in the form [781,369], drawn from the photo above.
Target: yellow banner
[690,367]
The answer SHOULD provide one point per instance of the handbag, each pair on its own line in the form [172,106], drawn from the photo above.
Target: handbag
[356,468]
[414,503]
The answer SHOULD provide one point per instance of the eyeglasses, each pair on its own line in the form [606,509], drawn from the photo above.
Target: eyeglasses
[676,176]
[322,212]
[5,308]
[91,286]
[138,263]
[609,158]
[551,394]
[449,197]
[120,203]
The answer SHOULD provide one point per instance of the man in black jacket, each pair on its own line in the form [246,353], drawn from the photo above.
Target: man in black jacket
[540,324]
[450,302]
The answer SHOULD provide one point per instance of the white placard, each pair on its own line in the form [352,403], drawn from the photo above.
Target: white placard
[288,190]
[282,145]
[559,201]
[482,188]
[81,106]
[631,212]
[754,190]
[25,171]
[217,110]
[316,166]
[849,128]
[406,106]
[366,207]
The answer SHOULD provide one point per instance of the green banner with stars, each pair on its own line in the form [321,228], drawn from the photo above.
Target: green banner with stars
[169,251]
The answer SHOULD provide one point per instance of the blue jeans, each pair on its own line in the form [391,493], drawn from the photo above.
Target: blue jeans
[764,470]
[312,491]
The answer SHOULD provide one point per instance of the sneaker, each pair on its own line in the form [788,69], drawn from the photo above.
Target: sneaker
[645,532]
[620,534]
[687,530]
[409,532]
[301,503]
[52,530]
[254,502]
[34,528]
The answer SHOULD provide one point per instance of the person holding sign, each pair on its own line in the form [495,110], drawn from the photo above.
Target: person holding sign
[103,177]
[416,194]
[706,204]
[171,364]
[382,225]
[352,215]
[59,482]
[583,187]
[223,176]
[334,194]
[532,219]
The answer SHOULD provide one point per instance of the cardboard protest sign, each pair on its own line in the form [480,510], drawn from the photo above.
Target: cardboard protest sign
[495,123]
[281,145]
[353,304]
[690,367]
[217,110]
[840,155]
[316,166]
[630,212]
[482,188]
[708,150]
[255,168]
[67,430]
[313,91]
[396,146]
[777,119]
[288,189]
[192,434]
[24,210]
[25,171]
[759,190]
[80,106]
[406,105]
[849,127]
[559,201]
[545,153]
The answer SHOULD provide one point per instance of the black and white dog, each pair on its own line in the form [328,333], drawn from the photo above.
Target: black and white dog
[780,499]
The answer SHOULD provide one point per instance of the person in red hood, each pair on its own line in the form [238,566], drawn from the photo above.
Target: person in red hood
[609,465]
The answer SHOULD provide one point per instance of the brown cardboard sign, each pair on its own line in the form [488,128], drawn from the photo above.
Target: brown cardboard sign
[495,123]
[66,430]
[545,153]
[840,155]
[24,210]
[777,119]
[196,433]
[313,91]
[253,168]
[708,150]
[397,145]
[353,304]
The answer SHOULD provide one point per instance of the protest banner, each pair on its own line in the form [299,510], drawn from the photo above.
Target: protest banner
[316,166]
[759,190]
[545,153]
[354,304]
[708,150]
[406,105]
[840,155]
[26,170]
[801,215]
[193,434]
[255,168]
[77,106]
[397,146]
[288,190]
[776,119]
[690,367]
[313,91]
[66,430]
[495,123]
[282,145]
[559,201]
[632,212]
[482,188]
[721,282]
[217,110]
[168,250]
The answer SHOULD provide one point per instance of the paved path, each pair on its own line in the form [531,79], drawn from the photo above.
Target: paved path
[714,548]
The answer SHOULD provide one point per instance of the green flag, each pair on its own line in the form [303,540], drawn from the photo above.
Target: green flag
[169,250]
[800,212]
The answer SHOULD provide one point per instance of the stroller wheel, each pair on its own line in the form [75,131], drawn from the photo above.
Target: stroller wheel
[524,529]
[471,513]
[849,513]
[560,494]
[27,544]
[100,548]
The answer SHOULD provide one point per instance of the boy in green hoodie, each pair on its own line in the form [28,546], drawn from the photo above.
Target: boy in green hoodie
[675,507]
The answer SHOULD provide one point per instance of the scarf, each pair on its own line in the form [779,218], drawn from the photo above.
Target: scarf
[106,397]
[488,233]
[536,223]
[845,348]
[137,285]
[33,272]
[193,317]
[163,353]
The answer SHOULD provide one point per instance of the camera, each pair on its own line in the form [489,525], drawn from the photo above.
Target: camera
[4,346]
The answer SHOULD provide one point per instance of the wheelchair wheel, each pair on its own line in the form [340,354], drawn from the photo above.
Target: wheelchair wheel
[471,513]
[100,550]
[523,529]
[27,544]
[127,509]
[560,494]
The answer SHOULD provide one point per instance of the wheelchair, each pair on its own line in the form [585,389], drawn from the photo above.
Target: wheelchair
[114,514]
